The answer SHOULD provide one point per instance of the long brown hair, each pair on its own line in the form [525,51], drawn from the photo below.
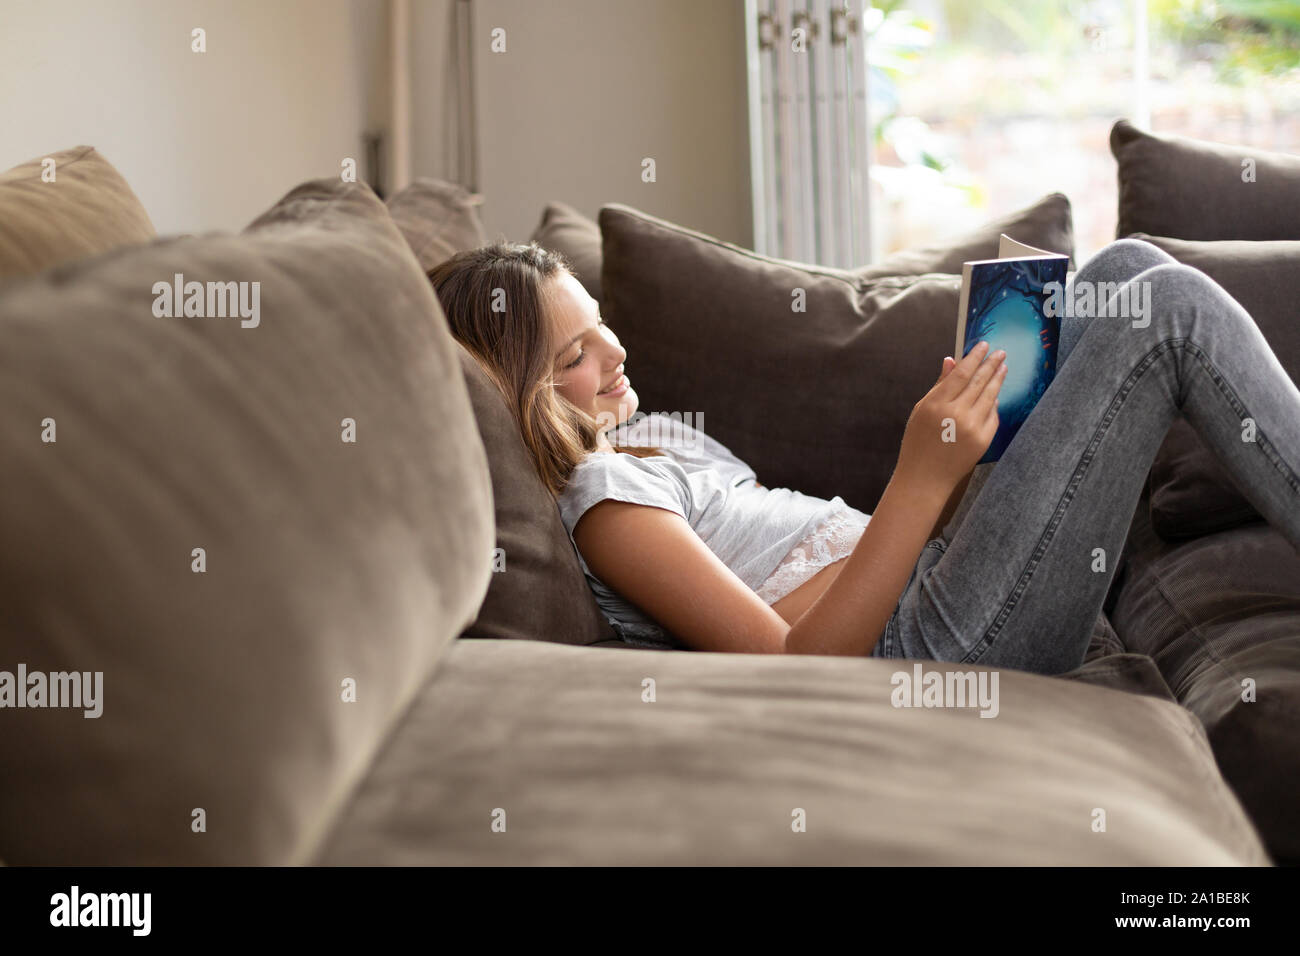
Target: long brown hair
[514,348]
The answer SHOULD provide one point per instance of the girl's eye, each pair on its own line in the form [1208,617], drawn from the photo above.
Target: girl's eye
[581,352]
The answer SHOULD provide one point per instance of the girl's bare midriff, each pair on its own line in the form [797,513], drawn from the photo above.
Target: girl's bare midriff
[801,598]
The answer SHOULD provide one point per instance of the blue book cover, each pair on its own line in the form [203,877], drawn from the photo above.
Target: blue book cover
[1004,302]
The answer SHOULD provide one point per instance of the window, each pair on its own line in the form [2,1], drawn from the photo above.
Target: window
[979,108]
[974,108]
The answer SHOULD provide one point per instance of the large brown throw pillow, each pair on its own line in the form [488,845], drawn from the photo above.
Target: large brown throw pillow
[86,210]
[807,373]
[1191,189]
[1046,224]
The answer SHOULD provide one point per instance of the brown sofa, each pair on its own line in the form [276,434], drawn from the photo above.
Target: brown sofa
[1205,594]
[267,539]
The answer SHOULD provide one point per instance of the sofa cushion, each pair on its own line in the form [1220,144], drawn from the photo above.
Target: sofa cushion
[1220,615]
[1191,492]
[560,745]
[565,230]
[438,219]
[1122,670]
[329,566]
[537,591]
[1192,189]
[814,400]
[86,210]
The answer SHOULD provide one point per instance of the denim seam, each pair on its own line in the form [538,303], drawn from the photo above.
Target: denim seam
[1239,408]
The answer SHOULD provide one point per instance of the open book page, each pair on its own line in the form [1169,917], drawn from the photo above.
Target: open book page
[1008,248]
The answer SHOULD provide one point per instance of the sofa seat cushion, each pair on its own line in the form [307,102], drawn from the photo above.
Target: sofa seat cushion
[1220,616]
[246,687]
[560,744]
[86,209]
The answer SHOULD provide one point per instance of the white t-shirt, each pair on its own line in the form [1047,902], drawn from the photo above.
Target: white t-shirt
[750,529]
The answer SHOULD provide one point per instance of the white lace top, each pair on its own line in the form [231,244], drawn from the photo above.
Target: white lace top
[830,541]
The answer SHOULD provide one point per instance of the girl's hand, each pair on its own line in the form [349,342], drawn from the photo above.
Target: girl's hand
[951,426]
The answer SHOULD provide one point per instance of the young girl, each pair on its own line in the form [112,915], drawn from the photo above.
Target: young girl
[990,565]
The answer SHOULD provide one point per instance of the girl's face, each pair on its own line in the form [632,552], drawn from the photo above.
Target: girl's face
[588,358]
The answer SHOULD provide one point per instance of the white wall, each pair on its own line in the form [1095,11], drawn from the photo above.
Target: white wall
[208,141]
[286,89]
[587,88]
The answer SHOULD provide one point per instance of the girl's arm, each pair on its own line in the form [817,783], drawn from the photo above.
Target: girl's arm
[954,499]
[850,615]
[950,508]
[654,558]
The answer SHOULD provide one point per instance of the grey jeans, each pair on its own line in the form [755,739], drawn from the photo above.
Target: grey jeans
[1018,576]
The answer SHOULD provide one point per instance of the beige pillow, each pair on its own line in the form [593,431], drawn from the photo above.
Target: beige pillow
[87,209]
[329,565]
[438,219]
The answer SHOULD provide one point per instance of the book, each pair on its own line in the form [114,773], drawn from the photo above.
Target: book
[1007,302]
